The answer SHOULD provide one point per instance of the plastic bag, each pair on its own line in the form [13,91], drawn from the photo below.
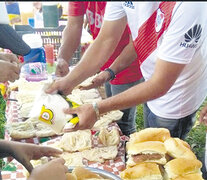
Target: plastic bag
[48,108]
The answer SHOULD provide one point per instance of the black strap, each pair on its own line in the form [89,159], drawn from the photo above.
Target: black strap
[111,72]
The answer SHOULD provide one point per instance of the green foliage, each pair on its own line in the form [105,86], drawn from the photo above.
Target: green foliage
[2,116]
[197,139]
[197,136]
[140,118]
[2,122]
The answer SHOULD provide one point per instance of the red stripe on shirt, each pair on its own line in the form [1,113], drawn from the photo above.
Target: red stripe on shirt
[147,39]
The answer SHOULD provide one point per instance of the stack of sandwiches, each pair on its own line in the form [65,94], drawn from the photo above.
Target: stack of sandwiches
[152,154]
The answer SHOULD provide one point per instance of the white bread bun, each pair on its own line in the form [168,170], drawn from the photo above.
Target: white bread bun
[182,166]
[195,176]
[149,151]
[145,147]
[184,143]
[176,149]
[76,141]
[109,138]
[142,171]
[150,134]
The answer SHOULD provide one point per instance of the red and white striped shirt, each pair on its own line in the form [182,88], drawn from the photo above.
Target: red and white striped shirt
[95,12]
[175,32]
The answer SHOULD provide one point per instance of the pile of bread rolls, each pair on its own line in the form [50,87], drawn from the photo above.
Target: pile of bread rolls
[152,154]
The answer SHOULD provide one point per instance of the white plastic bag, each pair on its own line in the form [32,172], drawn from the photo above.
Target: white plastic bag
[48,108]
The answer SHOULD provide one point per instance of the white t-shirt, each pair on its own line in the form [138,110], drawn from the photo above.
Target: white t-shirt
[183,42]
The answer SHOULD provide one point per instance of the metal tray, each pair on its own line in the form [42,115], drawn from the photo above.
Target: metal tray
[102,173]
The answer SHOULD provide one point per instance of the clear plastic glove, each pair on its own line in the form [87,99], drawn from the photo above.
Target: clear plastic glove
[53,170]
[62,68]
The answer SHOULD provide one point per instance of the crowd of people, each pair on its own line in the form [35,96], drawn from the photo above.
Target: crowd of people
[165,42]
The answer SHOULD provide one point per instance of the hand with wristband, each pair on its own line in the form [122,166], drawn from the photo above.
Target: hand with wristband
[92,114]
[104,76]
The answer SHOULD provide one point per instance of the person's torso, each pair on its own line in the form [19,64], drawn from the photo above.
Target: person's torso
[189,90]
[95,13]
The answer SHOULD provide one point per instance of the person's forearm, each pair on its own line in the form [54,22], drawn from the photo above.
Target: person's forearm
[134,96]
[70,39]
[127,56]
[90,63]
[6,148]
[154,88]
[95,56]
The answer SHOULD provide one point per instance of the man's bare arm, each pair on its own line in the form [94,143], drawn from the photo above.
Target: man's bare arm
[98,52]
[71,37]
[161,81]
[127,56]
[94,57]
[70,41]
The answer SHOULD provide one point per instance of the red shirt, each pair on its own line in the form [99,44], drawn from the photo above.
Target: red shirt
[95,12]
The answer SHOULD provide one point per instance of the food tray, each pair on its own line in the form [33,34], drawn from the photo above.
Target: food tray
[102,173]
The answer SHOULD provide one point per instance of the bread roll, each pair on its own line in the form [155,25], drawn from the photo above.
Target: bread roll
[100,154]
[72,159]
[150,134]
[176,149]
[150,151]
[142,171]
[109,138]
[184,143]
[76,141]
[182,166]
[195,176]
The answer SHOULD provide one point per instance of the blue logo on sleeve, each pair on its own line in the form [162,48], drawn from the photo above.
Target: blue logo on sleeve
[129,4]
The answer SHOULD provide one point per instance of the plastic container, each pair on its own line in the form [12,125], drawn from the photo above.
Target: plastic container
[37,53]
[49,51]
[31,22]
[34,68]
[34,71]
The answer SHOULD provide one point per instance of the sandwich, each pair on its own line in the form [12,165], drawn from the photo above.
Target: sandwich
[150,151]
[142,171]
[150,134]
[176,148]
[182,167]
[184,143]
